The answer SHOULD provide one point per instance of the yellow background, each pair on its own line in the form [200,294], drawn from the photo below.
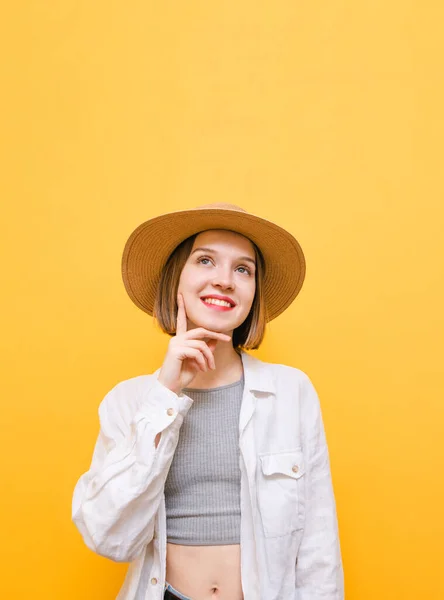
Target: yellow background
[326,117]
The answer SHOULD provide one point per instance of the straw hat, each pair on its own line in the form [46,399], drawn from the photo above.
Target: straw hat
[151,243]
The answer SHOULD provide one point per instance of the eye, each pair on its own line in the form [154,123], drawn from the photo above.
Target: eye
[202,258]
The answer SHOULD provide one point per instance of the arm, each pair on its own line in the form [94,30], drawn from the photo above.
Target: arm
[115,503]
[319,571]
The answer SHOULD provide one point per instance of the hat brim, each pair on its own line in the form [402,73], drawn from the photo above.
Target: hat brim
[151,243]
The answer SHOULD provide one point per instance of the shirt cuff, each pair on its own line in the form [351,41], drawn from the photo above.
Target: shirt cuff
[161,405]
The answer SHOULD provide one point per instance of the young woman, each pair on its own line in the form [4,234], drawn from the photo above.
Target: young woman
[211,475]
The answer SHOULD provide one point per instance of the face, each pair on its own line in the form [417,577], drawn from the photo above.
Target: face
[221,264]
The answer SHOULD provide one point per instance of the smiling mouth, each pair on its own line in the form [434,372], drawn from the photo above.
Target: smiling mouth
[217,304]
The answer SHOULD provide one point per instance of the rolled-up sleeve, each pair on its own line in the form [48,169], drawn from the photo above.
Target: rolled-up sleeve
[116,501]
[319,569]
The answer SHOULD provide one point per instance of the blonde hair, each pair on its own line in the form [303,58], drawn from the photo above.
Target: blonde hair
[248,335]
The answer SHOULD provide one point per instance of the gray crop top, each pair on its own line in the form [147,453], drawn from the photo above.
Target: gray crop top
[202,489]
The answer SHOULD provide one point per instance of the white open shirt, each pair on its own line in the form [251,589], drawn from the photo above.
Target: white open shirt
[289,531]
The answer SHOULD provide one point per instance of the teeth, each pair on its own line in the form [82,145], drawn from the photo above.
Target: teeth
[218,302]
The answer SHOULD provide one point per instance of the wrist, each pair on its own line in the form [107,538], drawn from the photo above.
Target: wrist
[173,388]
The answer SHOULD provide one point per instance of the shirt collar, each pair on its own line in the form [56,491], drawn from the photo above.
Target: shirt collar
[258,375]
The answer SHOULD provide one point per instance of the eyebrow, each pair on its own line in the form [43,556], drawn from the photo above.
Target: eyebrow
[244,258]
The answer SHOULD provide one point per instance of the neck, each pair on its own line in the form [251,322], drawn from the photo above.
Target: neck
[228,368]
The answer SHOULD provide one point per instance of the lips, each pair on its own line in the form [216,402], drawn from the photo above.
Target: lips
[219,307]
[217,297]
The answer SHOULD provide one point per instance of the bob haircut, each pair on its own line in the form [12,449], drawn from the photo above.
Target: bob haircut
[248,335]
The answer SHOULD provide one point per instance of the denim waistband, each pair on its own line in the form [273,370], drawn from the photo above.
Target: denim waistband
[175,593]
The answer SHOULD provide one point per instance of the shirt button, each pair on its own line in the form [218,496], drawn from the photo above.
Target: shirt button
[170,411]
[154,581]
[295,469]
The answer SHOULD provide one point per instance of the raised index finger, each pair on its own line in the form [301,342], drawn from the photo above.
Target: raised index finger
[181,323]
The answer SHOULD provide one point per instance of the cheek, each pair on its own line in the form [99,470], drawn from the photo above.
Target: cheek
[188,278]
[249,294]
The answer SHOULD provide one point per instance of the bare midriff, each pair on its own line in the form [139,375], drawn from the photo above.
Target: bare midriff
[205,572]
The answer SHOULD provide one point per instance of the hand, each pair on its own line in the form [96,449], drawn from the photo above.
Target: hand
[188,353]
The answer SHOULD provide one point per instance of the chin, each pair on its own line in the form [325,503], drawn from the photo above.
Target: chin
[214,326]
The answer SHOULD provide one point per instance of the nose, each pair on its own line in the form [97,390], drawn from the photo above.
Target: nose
[224,278]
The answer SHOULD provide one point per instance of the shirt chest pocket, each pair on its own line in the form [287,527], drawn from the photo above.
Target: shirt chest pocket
[281,492]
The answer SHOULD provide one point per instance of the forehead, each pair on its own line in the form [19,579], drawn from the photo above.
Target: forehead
[224,240]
